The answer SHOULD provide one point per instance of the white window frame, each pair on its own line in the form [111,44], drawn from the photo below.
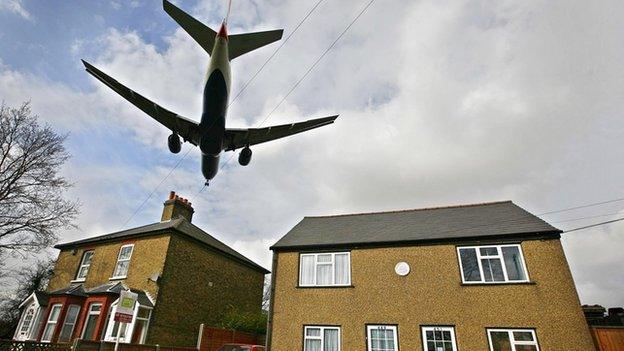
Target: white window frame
[54,322]
[123,260]
[316,263]
[369,341]
[499,256]
[21,334]
[90,312]
[320,337]
[83,265]
[66,323]
[108,334]
[511,338]
[434,328]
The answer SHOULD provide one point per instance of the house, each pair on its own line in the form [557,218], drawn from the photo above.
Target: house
[473,277]
[183,277]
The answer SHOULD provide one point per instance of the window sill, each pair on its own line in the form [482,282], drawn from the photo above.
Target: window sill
[78,280]
[325,287]
[118,278]
[500,283]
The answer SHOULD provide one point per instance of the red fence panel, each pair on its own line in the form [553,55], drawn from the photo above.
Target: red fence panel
[608,338]
[213,338]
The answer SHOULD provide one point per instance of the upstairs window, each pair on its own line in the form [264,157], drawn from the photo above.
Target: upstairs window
[512,340]
[492,264]
[123,261]
[83,270]
[325,269]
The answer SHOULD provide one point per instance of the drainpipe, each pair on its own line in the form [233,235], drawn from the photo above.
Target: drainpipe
[271,302]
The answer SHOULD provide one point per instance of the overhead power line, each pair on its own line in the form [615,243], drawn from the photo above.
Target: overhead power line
[583,206]
[309,70]
[594,225]
[275,52]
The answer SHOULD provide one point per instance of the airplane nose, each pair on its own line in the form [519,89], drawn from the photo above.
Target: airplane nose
[222,32]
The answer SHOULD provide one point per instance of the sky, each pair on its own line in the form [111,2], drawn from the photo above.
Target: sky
[440,103]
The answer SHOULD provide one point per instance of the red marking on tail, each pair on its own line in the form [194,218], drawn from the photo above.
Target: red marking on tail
[222,32]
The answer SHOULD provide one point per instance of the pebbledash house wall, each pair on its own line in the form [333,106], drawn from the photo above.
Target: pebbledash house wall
[196,285]
[431,294]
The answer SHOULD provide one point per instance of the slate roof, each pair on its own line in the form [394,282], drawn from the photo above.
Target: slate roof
[42,298]
[114,288]
[441,224]
[179,225]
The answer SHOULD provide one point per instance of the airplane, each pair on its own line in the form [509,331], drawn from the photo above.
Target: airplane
[210,134]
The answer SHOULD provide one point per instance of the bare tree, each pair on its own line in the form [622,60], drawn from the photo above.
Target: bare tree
[32,207]
[28,280]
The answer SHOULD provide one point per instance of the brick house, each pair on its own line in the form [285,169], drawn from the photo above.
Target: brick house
[182,275]
[474,277]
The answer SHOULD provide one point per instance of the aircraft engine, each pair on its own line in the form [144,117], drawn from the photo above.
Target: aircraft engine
[245,156]
[174,143]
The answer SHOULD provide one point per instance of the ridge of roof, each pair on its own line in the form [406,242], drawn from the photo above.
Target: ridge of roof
[179,225]
[500,219]
[414,209]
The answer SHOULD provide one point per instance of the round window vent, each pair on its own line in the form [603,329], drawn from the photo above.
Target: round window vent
[402,269]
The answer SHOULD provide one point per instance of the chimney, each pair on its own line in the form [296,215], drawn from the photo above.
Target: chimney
[177,207]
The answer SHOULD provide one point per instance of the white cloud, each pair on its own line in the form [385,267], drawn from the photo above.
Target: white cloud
[440,102]
[15,6]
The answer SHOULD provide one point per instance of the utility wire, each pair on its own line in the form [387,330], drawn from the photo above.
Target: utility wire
[310,69]
[275,52]
[594,225]
[587,217]
[234,99]
[318,60]
[156,188]
[583,206]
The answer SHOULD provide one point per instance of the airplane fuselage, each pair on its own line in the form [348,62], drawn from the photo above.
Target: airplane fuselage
[215,104]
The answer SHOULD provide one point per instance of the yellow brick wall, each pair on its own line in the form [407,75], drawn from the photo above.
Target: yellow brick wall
[432,294]
[148,257]
[187,299]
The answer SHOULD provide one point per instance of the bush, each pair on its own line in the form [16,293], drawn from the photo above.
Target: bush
[249,322]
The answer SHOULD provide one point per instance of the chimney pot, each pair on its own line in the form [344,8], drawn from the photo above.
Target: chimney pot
[177,207]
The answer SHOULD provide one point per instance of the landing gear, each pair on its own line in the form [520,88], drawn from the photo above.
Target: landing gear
[206,183]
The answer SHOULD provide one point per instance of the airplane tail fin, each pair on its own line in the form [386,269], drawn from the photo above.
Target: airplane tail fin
[240,44]
[202,34]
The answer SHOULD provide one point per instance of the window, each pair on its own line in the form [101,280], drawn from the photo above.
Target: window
[48,331]
[69,324]
[27,321]
[83,270]
[492,264]
[123,261]
[512,340]
[91,322]
[321,338]
[325,269]
[140,325]
[382,338]
[439,339]
[134,332]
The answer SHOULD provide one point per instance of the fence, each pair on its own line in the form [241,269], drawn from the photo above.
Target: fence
[86,345]
[11,345]
[211,339]
[608,338]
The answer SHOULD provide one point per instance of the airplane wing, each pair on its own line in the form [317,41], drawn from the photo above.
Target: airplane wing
[186,128]
[237,138]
